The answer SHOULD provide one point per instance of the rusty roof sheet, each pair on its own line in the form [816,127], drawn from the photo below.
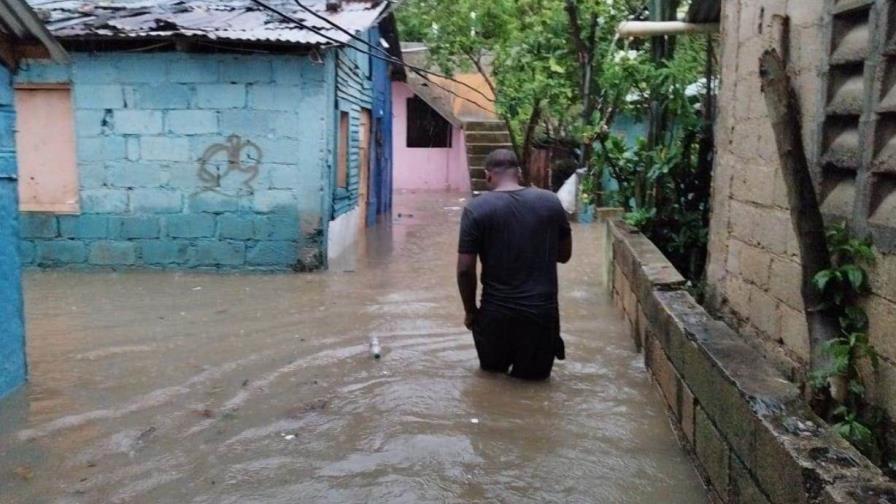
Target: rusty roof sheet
[228,20]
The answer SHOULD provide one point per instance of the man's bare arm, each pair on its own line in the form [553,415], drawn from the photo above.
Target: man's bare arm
[565,252]
[467,282]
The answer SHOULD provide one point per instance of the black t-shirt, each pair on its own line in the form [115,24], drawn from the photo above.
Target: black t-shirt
[516,235]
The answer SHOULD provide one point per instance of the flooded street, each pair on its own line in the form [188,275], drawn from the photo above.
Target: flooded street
[218,388]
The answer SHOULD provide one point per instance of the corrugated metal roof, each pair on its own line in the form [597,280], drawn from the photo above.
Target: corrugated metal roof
[19,22]
[230,20]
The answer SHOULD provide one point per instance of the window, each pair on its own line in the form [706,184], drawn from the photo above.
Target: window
[45,148]
[426,127]
[857,143]
[342,161]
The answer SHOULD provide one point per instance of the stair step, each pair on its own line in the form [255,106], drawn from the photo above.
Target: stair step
[484,149]
[487,137]
[486,126]
[477,173]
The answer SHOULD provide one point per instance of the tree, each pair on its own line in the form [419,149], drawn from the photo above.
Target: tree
[545,60]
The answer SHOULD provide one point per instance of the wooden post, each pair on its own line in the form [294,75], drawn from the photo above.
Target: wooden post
[805,213]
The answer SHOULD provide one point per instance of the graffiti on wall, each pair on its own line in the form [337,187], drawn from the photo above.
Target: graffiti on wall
[230,167]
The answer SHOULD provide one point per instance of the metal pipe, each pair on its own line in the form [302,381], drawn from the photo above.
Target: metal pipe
[659,28]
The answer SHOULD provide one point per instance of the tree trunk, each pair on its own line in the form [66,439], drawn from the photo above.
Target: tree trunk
[805,213]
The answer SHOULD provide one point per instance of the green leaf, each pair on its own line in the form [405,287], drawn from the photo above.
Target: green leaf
[856,276]
[822,278]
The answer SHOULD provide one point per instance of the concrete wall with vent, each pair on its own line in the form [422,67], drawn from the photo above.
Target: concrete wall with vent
[845,72]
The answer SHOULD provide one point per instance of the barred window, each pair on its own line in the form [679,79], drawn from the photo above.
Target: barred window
[426,127]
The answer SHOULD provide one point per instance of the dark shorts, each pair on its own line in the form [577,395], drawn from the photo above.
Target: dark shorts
[523,344]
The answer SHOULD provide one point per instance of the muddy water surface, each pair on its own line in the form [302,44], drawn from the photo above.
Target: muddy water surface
[205,388]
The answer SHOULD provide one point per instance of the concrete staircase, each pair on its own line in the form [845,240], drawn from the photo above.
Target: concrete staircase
[482,138]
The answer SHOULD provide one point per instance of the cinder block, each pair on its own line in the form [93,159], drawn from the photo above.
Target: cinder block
[212,202]
[235,227]
[58,252]
[37,225]
[274,201]
[156,201]
[191,122]
[183,176]
[83,226]
[794,330]
[132,148]
[142,68]
[219,253]
[283,176]
[27,252]
[786,281]
[91,123]
[273,253]
[763,312]
[274,96]
[138,122]
[163,252]
[131,174]
[291,125]
[221,96]
[663,373]
[162,96]
[106,148]
[245,68]
[687,412]
[104,201]
[194,69]
[712,452]
[107,253]
[92,174]
[164,148]
[743,489]
[134,227]
[277,227]
[755,265]
[98,96]
[287,70]
[92,70]
[252,125]
[190,225]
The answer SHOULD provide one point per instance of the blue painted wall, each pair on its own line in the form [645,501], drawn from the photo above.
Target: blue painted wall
[144,125]
[381,151]
[12,330]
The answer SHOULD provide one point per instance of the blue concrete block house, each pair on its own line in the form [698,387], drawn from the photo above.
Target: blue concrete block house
[21,34]
[205,134]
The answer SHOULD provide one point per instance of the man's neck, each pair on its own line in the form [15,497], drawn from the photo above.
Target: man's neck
[510,185]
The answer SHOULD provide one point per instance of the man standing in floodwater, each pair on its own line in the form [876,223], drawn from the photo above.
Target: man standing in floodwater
[520,234]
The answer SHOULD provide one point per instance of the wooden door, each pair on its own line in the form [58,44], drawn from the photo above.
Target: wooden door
[364,161]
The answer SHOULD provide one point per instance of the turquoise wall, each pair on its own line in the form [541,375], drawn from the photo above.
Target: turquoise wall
[12,330]
[154,132]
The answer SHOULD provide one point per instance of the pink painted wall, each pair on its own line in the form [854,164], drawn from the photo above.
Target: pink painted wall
[425,169]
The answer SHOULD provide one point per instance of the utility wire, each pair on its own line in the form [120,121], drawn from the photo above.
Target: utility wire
[380,49]
[419,71]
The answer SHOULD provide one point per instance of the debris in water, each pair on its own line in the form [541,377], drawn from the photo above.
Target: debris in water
[206,413]
[474,420]
[246,382]
[24,472]
[289,437]
[451,208]
[375,349]
[197,288]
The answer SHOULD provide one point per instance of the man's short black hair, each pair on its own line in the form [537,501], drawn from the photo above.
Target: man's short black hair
[501,159]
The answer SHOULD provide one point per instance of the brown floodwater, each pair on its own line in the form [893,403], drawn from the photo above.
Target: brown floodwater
[158,387]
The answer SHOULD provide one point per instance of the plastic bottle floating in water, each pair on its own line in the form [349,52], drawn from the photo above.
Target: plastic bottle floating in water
[375,349]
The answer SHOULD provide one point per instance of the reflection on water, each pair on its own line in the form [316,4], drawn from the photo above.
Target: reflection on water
[177,387]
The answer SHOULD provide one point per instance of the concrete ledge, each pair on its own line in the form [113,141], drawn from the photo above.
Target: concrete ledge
[752,436]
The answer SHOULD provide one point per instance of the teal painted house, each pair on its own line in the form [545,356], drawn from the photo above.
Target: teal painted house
[204,134]
[20,32]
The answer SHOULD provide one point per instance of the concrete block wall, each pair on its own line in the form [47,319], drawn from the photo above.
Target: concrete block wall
[12,326]
[753,273]
[154,132]
[747,428]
